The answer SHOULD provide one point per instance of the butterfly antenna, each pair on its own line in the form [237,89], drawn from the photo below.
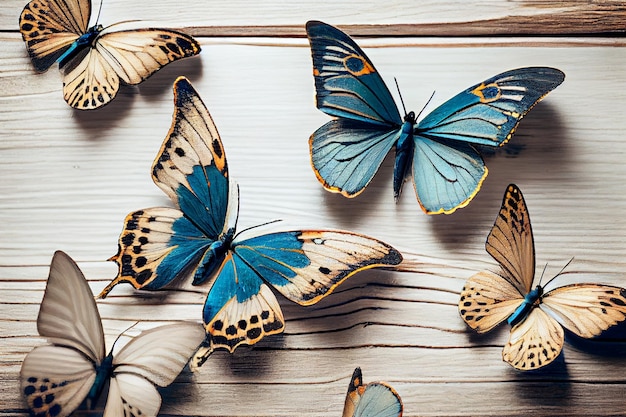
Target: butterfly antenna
[559,273]
[258,225]
[425,105]
[123,333]
[400,94]
[99,10]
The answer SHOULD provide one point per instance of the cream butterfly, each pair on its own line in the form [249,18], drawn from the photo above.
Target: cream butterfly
[536,317]
[58,377]
[376,399]
[95,59]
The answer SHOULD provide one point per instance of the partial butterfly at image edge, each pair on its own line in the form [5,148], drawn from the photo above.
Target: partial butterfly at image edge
[447,170]
[375,399]
[95,59]
[198,237]
[537,317]
[57,377]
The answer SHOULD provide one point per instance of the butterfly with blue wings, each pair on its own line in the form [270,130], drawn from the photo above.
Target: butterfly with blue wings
[159,245]
[95,59]
[537,316]
[56,378]
[376,399]
[440,149]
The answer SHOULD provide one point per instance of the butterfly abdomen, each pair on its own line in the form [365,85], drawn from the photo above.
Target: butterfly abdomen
[103,373]
[79,44]
[524,309]
[404,154]
[213,258]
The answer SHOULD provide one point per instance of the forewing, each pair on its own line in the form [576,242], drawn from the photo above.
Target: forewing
[159,354]
[346,82]
[191,164]
[49,27]
[307,265]
[535,342]
[587,309]
[487,299]
[156,246]
[131,395]
[240,308]
[488,113]
[136,54]
[345,154]
[68,315]
[446,175]
[510,241]
[55,380]
[376,399]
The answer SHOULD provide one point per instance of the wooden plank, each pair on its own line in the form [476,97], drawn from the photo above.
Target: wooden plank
[399,18]
[69,178]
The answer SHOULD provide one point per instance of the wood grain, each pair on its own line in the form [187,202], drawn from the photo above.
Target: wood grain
[70,177]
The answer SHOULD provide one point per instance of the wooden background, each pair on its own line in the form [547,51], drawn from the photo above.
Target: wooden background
[68,178]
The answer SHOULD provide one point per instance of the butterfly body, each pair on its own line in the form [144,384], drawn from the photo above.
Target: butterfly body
[405,147]
[537,316]
[447,169]
[103,372]
[199,238]
[524,309]
[79,44]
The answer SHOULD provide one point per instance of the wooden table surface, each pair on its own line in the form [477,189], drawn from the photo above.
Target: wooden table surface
[68,178]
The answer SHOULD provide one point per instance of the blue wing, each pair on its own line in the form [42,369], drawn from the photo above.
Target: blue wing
[158,245]
[376,399]
[307,265]
[489,112]
[240,308]
[346,153]
[447,170]
[346,82]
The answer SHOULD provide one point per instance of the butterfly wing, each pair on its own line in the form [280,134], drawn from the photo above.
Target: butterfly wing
[535,342]
[487,299]
[240,308]
[586,309]
[510,241]
[57,378]
[488,113]
[376,399]
[307,265]
[447,170]
[49,27]
[446,175]
[132,395]
[158,245]
[130,55]
[346,153]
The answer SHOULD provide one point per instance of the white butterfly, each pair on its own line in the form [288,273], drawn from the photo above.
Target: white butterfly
[96,59]
[376,399]
[58,377]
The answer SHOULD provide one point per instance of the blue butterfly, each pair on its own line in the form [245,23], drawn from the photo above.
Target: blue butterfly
[376,399]
[447,169]
[159,245]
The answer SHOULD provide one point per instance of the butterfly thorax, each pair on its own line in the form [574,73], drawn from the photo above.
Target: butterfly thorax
[404,154]
[531,300]
[103,373]
[214,257]
[79,44]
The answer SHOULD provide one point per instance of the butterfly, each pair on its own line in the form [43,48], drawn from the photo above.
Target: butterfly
[440,149]
[537,317]
[158,245]
[95,59]
[376,399]
[56,378]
